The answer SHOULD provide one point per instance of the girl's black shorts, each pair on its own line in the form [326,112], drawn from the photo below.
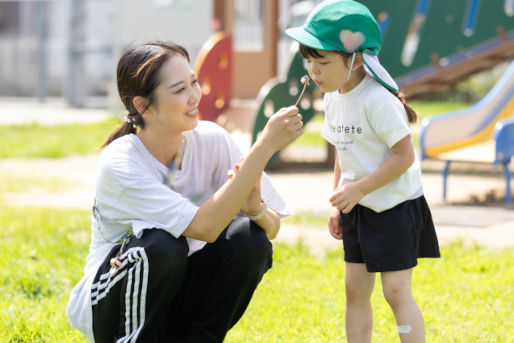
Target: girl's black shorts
[390,240]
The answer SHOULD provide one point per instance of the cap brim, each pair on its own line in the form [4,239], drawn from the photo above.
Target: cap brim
[300,35]
[374,67]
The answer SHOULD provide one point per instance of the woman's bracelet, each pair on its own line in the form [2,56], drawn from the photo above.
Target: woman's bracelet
[262,212]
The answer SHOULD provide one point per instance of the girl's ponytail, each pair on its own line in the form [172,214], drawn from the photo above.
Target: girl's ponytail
[412,116]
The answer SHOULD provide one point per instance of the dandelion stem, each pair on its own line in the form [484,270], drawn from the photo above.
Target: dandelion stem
[305,81]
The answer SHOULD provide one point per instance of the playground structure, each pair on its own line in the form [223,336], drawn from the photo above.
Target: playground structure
[213,68]
[428,46]
[483,133]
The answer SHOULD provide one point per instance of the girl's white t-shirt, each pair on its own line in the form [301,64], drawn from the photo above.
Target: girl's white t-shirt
[131,193]
[363,124]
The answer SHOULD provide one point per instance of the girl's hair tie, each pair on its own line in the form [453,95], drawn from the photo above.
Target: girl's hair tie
[403,101]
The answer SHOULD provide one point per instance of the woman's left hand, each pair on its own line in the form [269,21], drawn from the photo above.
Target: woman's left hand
[267,219]
[253,205]
[346,197]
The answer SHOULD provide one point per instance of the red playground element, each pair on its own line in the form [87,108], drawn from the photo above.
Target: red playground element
[214,70]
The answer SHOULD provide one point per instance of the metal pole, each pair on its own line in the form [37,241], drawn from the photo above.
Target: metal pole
[76,77]
[41,48]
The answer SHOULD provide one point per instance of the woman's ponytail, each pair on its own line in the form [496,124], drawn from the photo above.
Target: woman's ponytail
[123,129]
[132,121]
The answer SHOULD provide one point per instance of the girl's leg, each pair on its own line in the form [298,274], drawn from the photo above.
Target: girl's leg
[397,291]
[359,315]
[220,281]
[132,303]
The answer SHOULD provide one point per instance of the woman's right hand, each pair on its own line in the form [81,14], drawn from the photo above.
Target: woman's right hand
[217,212]
[282,128]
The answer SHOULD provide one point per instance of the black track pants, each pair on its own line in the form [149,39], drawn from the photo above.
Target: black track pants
[161,295]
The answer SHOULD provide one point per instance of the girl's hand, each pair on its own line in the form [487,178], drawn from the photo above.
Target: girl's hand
[282,128]
[253,205]
[334,224]
[346,197]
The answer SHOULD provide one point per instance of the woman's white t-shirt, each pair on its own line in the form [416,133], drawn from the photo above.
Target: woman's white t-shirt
[363,124]
[131,193]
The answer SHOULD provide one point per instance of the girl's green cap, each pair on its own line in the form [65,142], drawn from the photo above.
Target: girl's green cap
[344,25]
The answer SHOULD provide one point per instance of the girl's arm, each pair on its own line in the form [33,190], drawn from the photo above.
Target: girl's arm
[334,223]
[217,212]
[402,157]
[337,172]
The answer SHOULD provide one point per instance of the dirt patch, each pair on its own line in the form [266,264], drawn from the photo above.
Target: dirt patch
[79,171]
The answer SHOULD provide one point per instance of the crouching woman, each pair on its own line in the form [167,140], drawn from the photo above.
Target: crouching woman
[181,223]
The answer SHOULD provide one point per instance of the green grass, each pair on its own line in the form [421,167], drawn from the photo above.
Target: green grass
[312,136]
[10,182]
[42,257]
[34,140]
[426,109]
[307,219]
[466,296]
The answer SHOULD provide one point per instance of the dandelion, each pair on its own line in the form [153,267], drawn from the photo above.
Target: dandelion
[305,81]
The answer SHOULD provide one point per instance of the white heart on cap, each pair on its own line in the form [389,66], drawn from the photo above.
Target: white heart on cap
[351,40]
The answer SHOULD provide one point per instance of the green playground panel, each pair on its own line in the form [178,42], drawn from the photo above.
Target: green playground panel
[442,32]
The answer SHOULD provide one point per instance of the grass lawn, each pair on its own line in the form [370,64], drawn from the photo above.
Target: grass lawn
[466,296]
[424,109]
[33,140]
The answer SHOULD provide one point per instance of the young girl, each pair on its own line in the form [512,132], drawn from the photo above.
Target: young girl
[179,241]
[379,210]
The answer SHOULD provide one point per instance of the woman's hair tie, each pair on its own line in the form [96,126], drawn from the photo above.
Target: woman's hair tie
[131,119]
